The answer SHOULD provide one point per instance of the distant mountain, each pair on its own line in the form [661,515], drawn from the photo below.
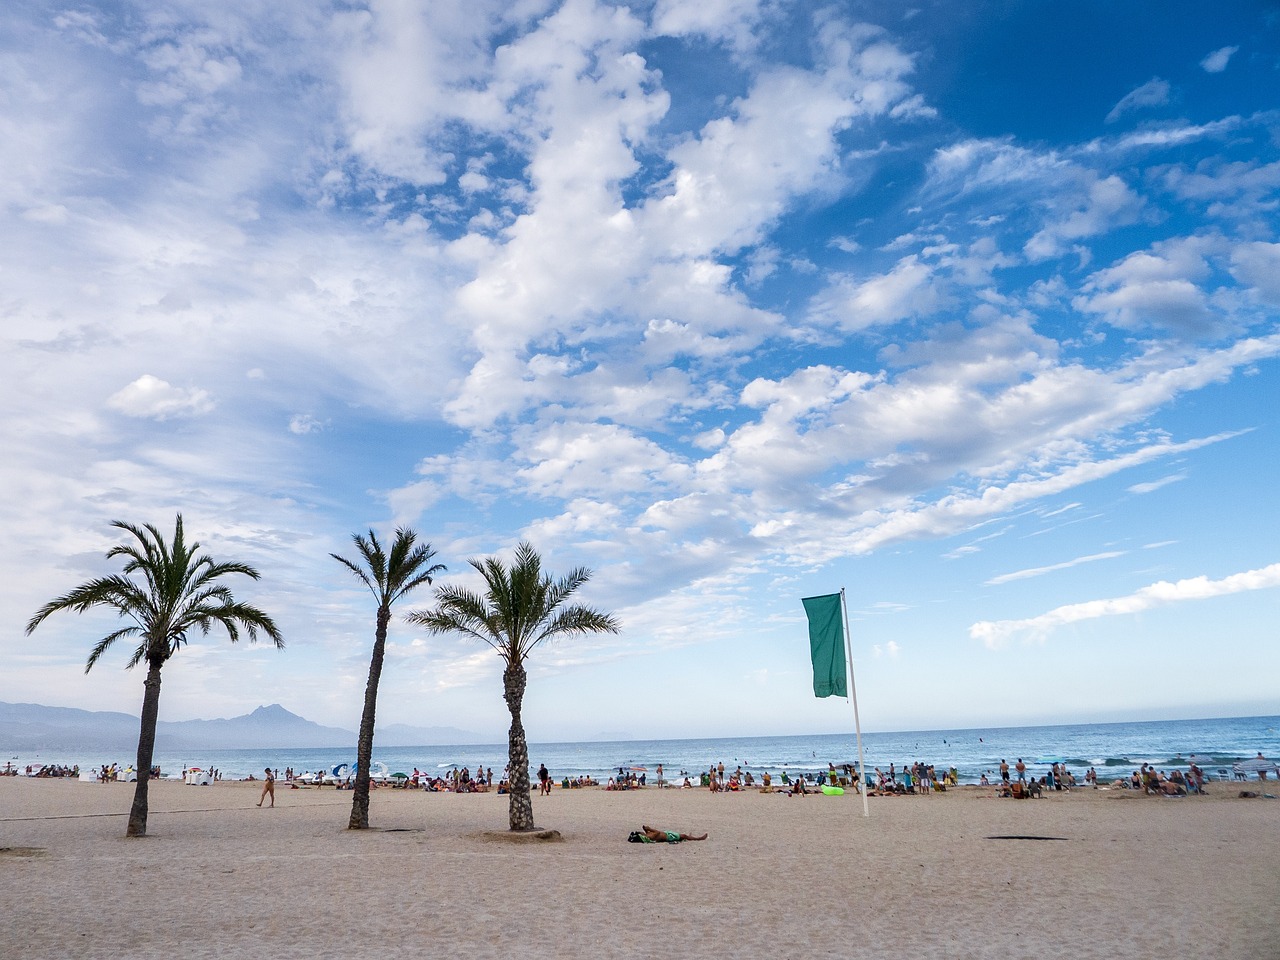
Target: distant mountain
[28,727]
[272,726]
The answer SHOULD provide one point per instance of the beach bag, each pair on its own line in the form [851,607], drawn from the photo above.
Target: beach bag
[637,837]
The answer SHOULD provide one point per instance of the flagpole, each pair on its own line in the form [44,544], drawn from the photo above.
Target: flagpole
[853,695]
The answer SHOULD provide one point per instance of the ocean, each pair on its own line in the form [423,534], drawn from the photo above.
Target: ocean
[1115,749]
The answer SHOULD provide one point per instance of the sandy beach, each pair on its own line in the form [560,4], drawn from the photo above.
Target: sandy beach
[1126,875]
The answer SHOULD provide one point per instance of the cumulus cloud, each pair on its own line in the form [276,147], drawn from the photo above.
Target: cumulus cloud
[907,290]
[1156,288]
[995,633]
[1101,204]
[1216,62]
[156,399]
[1257,264]
[1153,93]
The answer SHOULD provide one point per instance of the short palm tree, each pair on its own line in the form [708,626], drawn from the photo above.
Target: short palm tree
[388,577]
[521,607]
[179,592]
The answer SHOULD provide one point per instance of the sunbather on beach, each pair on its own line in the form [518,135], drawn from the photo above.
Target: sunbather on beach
[668,836]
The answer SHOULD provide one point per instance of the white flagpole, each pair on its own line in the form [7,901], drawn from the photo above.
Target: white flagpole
[853,694]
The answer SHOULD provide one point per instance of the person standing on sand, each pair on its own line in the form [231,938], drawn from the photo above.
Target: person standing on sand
[544,781]
[1021,768]
[268,787]
[1004,769]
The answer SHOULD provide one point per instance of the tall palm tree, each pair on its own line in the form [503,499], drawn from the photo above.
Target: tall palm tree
[521,607]
[388,578]
[179,593]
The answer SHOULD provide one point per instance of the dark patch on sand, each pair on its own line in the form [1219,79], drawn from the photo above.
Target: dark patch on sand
[1021,836]
[529,836]
[22,851]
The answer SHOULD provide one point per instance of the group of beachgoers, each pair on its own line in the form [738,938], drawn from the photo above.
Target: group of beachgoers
[47,770]
[919,779]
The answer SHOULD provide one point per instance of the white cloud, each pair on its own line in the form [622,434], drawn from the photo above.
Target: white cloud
[1153,93]
[1154,485]
[908,290]
[1216,62]
[733,21]
[152,397]
[995,633]
[1157,288]
[1258,265]
[304,423]
[1053,568]
[1103,203]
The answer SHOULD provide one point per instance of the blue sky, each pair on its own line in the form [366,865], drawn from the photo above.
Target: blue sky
[969,308]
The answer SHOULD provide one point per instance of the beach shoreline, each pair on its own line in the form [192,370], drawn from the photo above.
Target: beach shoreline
[955,874]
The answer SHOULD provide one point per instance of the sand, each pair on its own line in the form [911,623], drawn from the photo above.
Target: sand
[779,877]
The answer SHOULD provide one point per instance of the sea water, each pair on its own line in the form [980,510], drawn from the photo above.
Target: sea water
[1114,749]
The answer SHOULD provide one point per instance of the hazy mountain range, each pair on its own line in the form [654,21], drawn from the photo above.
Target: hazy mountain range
[26,727]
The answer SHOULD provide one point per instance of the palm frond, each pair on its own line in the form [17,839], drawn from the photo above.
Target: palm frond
[101,646]
[179,591]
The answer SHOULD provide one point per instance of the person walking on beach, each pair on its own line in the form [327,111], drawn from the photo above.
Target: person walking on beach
[544,781]
[268,787]
[1004,769]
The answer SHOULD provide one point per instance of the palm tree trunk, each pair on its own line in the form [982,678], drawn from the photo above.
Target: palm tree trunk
[364,746]
[513,682]
[146,750]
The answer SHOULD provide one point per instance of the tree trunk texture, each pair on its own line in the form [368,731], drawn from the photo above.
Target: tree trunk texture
[146,750]
[513,683]
[364,746]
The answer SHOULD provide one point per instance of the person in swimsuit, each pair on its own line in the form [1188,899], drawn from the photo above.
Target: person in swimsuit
[668,836]
[268,787]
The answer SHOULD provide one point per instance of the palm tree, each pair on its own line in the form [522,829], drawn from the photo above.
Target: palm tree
[388,578]
[521,607]
[180,593]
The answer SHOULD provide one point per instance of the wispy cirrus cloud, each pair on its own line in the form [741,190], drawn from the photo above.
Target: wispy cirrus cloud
[1051,568]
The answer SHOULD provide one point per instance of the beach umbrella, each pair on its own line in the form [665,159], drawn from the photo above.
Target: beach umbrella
[400,775]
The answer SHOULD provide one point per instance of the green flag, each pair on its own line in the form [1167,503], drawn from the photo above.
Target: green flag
[826,645]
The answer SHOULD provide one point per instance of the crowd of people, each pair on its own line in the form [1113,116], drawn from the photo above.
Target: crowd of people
[47,770]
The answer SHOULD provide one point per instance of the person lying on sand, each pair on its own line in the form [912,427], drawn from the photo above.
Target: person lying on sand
[668,836]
